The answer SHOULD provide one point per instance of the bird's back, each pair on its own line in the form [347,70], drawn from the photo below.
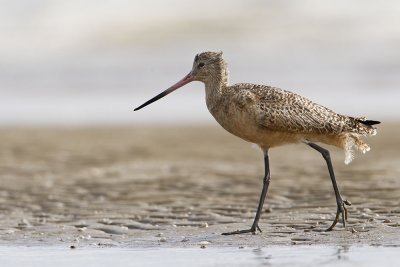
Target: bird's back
[296,117]
[281,110]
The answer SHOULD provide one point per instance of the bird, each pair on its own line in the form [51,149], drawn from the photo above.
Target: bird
[270,117]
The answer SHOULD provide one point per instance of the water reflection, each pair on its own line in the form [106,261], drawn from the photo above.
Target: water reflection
[326,255]
[341,253]
[293,256]
[263,257]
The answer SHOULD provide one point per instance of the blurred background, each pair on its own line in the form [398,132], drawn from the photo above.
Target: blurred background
[91,62]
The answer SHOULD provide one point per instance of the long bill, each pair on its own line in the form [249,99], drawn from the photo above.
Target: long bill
[187,79]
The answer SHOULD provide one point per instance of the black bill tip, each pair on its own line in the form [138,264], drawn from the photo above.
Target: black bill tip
[187,79]
[161,95]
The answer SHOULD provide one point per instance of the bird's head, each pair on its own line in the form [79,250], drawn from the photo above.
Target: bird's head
[208,67]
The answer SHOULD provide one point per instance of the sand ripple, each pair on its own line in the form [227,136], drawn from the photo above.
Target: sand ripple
[152,186]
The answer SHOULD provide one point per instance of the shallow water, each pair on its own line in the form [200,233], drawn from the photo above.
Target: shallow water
[269,256]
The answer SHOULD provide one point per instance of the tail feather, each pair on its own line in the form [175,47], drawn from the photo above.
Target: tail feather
[361,128]
[368,122]
[365,127]
[354,141]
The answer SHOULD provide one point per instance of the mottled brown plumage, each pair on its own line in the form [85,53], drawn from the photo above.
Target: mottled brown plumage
[270,117]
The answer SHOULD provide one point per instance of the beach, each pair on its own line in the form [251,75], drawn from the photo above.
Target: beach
[85,181]
[179,187]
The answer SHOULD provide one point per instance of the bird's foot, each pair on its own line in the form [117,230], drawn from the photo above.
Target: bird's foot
[341,210]
[252,230]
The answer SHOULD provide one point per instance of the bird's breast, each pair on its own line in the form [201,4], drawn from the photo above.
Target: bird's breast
[240,120]
[236,119]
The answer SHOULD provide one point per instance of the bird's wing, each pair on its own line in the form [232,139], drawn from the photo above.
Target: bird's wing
[281,110]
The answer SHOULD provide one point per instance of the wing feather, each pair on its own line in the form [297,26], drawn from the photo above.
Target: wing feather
[281,110]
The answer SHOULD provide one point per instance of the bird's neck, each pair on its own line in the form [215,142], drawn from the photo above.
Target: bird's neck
[215,87]
[218,81]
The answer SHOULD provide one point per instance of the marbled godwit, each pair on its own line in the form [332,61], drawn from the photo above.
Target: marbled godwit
[270,117]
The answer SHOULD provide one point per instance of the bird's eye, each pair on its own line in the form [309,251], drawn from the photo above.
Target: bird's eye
[201,64]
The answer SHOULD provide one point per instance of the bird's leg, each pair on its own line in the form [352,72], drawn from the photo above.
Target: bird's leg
[266,181]
[341,208]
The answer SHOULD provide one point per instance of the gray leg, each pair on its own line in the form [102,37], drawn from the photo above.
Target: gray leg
[266,180]
[341,208]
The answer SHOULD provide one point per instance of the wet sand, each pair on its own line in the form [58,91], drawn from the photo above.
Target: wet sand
[178,187]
